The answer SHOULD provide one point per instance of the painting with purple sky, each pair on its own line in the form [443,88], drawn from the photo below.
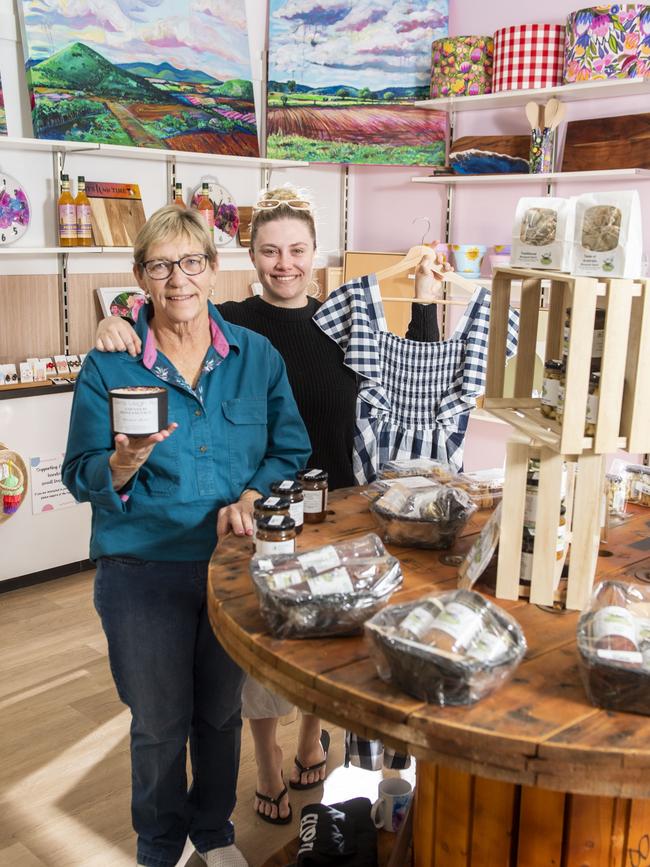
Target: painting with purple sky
[150,73]
[343,75]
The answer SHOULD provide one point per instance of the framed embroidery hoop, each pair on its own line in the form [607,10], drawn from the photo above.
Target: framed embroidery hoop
[226,214]
[16,465]
[15,213]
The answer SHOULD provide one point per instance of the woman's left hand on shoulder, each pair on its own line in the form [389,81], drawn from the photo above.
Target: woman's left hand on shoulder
[428,285]
[237,518]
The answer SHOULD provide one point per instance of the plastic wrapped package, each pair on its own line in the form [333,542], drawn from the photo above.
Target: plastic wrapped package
[427,517]
[485,487]
[637,481]
[416,467]
[451,648]
[614,645]
[325,592]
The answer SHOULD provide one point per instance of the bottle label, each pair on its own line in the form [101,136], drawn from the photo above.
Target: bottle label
[208,216]
[328,583]
[598,343]
[418,622]
[592,408]
[487,647]
[613,620]
[84,223]
[459,621]
[135,416]
[67,222]
[550,391]
[314,502]
[530,508]
[296,511]
[282,580]
[321,559]
[264,547]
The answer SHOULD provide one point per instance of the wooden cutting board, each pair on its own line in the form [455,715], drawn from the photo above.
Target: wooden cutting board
[116,212]
[511,145]
[607,143]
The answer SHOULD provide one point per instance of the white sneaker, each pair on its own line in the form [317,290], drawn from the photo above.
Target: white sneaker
[227,856]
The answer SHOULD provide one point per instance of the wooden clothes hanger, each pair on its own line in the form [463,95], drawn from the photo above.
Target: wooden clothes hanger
[410,260]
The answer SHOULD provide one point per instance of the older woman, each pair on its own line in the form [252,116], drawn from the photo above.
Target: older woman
[283,248]
[159,505]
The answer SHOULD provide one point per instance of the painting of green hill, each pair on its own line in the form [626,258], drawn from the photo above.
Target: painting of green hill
[173,74]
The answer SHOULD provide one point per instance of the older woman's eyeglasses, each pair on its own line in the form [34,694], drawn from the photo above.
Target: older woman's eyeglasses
[296,204]
[161,269]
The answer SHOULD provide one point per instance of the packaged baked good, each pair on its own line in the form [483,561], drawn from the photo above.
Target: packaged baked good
[542,234]
[427,517]
[608,238]
[450,648]
[614,644]
[327,591]
[485,487]
[426,467]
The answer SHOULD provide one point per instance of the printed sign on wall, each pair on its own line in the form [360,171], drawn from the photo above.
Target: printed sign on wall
[48,491]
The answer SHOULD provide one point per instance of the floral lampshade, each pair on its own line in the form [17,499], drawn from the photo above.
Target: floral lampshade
[608,42]
[461,66]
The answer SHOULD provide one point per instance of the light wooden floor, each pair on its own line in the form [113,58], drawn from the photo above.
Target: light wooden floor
[64,763]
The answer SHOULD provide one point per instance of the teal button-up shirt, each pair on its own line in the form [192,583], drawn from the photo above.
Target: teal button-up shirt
[239,428]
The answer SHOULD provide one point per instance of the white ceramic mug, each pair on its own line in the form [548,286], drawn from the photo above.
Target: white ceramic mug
[390,808]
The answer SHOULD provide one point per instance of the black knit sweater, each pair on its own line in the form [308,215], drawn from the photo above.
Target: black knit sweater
[324,388]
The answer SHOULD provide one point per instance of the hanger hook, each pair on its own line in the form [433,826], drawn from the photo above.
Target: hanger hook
[426,231]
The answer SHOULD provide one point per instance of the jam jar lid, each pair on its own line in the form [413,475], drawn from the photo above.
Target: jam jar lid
[594,377]
[316,475]
[276,523]
[272,504]
[554,364]
[286,487]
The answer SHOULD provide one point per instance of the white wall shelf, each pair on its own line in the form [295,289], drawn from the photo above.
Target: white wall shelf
[566,92]
[604,175]
[153,154]
[48,251]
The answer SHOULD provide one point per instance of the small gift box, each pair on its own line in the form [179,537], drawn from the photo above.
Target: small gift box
[528,56]
[608,42]
[461,66]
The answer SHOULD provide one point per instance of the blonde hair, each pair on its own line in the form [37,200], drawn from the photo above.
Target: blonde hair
[171,221]
[282,211]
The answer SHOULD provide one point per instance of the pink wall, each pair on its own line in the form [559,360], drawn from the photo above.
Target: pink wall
[384,202]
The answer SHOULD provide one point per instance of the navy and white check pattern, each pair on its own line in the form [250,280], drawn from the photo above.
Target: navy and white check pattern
[372,755]
[414,398]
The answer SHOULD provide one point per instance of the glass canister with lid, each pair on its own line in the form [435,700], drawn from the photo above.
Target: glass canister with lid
[266,507]
[292,491]
[315,486]
[275,535]
[553,372]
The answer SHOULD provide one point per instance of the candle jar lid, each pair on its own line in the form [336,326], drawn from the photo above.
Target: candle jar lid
[312,475]
[271,504]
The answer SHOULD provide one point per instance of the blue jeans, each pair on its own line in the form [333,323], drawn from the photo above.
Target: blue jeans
[179,683]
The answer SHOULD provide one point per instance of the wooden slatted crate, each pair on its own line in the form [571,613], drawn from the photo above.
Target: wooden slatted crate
[623,415]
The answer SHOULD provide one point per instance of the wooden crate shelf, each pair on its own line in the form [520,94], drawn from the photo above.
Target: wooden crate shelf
[623,420]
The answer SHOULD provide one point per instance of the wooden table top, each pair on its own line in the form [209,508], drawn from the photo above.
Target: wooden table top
[538,729]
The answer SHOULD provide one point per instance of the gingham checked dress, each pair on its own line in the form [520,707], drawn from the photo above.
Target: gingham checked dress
[414,398]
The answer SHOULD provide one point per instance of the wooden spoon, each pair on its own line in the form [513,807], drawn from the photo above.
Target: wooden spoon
[559,115]
[550,110]
[532,113]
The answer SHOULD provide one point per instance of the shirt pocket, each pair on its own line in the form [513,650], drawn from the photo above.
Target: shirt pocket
[247,434]
[160,475]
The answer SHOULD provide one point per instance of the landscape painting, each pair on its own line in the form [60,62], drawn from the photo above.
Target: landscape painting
[343,75]
[3,116]
[169,74]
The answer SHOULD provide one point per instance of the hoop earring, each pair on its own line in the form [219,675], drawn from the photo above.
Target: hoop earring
[147,297]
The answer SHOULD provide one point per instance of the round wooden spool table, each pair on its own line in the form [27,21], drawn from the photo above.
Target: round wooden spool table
[532,775]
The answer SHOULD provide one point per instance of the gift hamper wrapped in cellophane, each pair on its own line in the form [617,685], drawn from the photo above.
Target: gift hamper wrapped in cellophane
[325,592]
[430,516]
[449,648]
[614,645]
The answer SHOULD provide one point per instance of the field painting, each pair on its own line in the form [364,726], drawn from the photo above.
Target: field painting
[3,116]
[343,75]
[171,74]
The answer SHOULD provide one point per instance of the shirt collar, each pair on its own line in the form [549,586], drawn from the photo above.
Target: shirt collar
[223,339]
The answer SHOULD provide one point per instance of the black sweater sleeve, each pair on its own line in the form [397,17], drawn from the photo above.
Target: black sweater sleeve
[424,323]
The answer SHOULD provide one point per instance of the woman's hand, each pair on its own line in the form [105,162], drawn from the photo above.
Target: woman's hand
[114,334]
[428,283]
[238,517]
[132,452]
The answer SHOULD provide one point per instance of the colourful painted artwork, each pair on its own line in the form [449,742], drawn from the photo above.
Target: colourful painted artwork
[169,74]
[343,75]
[3,116]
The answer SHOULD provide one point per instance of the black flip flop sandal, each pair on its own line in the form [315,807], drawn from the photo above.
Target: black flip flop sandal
[325,744]
[275,802]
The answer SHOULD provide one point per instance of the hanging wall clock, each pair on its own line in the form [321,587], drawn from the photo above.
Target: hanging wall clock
[226,215]
[14,210]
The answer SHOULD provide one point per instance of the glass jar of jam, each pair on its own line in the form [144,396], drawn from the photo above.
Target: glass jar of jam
[314,487]
[275,535]
[593,401]
[292,491]
[553,370]
[265,507]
